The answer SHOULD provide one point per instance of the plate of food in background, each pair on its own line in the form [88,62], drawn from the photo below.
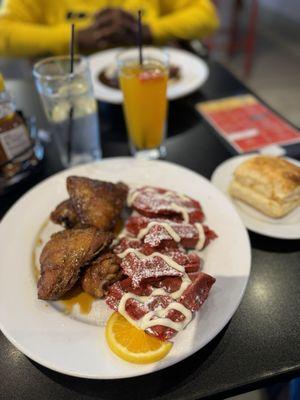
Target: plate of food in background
[265,191]
[187,73]
[120,268]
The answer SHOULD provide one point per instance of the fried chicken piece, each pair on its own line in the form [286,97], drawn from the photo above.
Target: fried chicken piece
[65,215]
[97,203]
[101,274]
[63,257]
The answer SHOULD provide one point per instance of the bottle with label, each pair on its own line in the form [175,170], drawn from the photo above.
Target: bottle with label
[15,142]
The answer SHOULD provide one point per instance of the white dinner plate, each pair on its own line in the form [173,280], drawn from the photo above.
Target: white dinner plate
[75,344]
[287,227]
[193,70]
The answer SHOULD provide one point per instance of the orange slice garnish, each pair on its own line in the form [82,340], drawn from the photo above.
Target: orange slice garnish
[133,344]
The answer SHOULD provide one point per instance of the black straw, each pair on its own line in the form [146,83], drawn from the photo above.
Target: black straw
[140,37]
[70,125]
[72,49]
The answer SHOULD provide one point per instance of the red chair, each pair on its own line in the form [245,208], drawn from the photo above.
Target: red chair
[234,41]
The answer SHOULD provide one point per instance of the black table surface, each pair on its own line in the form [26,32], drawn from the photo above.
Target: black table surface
[259,345]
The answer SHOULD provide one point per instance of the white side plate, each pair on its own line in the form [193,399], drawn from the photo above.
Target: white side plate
[287,227]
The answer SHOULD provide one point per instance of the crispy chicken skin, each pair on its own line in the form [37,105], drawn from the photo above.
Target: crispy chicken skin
[97,203]
[63,257]
[65,215]
[103,272]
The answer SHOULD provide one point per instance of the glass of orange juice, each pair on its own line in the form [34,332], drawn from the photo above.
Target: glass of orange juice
[145,105]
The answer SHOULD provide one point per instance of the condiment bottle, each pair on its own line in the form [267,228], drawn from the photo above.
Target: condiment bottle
[15,141]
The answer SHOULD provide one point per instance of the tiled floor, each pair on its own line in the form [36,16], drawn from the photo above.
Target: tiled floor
[276,72]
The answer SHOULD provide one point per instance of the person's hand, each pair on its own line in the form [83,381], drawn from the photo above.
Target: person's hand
[111,27]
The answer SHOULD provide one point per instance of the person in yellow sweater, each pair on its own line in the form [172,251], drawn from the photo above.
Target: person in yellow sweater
[38,27]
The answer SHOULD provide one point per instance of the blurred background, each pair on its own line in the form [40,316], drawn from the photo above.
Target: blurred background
[259,41]
[275,71]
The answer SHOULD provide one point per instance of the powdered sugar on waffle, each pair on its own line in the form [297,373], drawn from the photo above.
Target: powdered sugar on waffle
[163,285]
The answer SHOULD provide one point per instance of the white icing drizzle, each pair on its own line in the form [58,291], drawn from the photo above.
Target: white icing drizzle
[122,309]
[148,321]
[182,196]
[159,292]
[131,196]
[157,317]
[185,283]
[143,232]
[201,240]
[123,234]
[142,256]
[181,209]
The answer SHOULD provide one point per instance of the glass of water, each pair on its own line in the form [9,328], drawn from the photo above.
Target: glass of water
[70,108]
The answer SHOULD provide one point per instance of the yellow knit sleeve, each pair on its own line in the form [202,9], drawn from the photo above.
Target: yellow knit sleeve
[23,32]
[184,19]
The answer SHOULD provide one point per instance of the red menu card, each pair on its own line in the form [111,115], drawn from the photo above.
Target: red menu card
[246,124]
